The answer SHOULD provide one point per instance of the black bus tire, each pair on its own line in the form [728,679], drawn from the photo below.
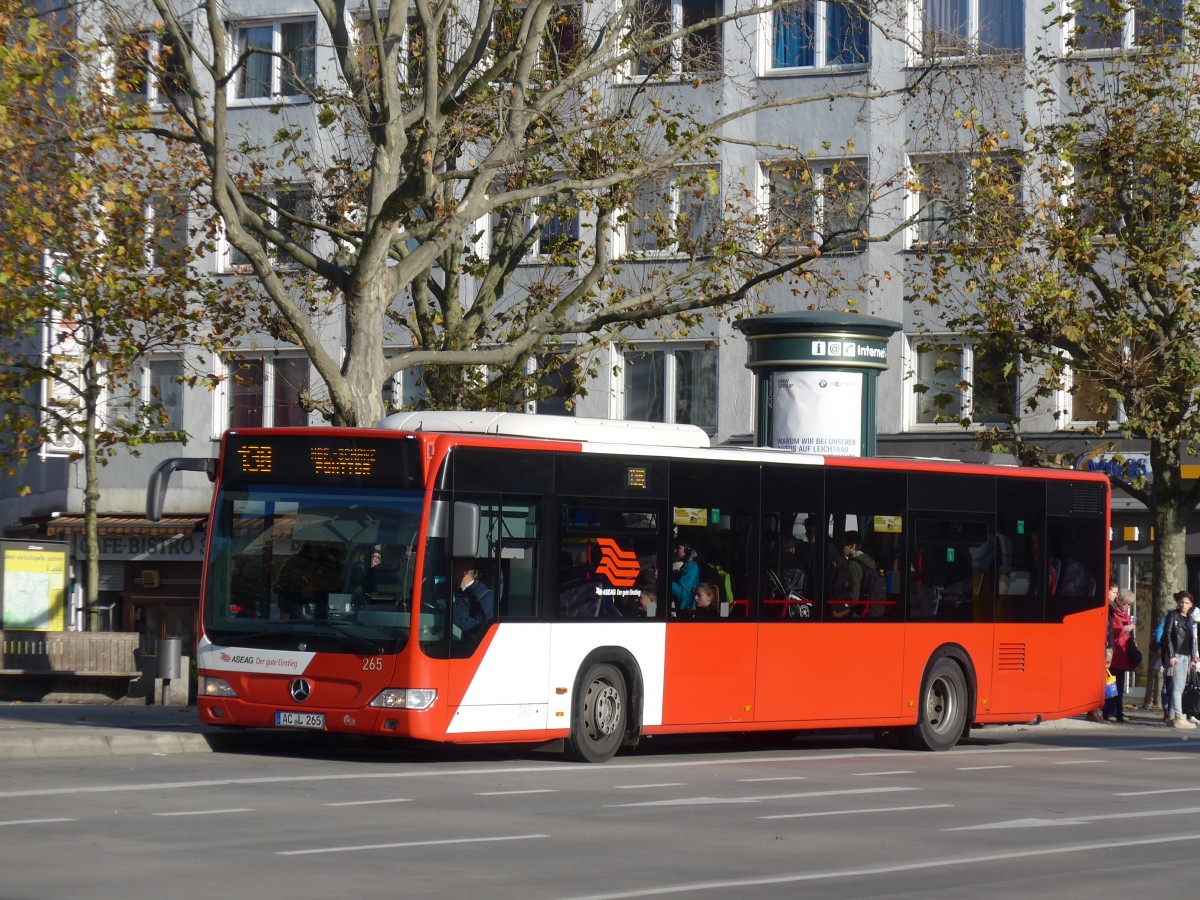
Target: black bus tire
[600,715]
[941,709]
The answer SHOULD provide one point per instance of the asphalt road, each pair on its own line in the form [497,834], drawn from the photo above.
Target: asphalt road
[1070,810]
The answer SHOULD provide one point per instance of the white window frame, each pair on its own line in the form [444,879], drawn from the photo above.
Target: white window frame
[222,409]
[670,380]
[150,214]
[678,67]
[227,251]
[276,60]
[537,252]
[916,201]
[153,94]
[147,371]
[820,170]
[1129,33]
[1065,419]
[972,44]
[965,375]
[671,190]
[819,43]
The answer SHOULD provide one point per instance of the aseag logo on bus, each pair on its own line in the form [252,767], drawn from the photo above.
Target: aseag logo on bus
[619,566]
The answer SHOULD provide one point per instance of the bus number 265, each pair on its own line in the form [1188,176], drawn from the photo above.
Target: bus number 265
[373,664]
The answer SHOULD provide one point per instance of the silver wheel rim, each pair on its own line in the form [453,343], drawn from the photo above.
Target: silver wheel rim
[604,702]
[941,704]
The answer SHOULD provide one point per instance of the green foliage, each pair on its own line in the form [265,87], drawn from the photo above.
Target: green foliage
[1092,267]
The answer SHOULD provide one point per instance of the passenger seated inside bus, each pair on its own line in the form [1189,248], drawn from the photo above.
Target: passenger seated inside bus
[648,603]
[707,605]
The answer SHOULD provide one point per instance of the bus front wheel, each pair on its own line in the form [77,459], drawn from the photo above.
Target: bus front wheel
[598,722]
[942,708]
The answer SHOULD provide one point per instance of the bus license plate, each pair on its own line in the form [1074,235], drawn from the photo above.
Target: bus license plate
[300,720]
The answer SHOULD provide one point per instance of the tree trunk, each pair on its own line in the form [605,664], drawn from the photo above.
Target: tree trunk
[1171,510]
[91,504]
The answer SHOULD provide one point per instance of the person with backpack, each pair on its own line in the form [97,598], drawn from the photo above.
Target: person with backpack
[854,580]
[1179,653]
[685,576]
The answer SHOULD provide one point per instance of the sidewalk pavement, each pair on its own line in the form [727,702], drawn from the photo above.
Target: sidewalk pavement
[55,730]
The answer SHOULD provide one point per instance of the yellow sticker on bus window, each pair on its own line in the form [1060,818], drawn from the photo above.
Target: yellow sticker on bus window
[889,524]
[690,515]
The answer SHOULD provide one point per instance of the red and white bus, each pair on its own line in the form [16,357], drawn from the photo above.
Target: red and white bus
[335,556]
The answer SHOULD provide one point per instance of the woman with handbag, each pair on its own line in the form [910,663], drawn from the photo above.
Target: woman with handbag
[1120,626]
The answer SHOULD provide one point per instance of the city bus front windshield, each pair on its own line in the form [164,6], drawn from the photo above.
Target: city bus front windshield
[331,568]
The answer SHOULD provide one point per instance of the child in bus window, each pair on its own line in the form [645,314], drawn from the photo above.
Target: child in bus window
[708,602]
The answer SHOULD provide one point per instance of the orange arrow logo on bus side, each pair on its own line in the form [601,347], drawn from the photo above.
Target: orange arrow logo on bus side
[619,566]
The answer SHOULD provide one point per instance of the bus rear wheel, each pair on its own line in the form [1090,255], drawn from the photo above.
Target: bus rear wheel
[601,709]
[941,710]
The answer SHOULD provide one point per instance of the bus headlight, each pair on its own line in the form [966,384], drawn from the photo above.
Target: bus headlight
[405,698]
[210,686]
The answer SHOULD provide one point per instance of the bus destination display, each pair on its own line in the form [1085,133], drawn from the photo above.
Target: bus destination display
[324,460]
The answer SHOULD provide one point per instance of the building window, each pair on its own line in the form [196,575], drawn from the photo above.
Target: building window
[698,52]
[671,384]
[167,231]
[816,34]
[148,68]
[959,27]
[674,212]
[953,193]
[164,386]
[822,202]
[557,217]
[288,209]
[275,59]
[1105,25]
[267,392]
[558,386]
[957,381]
[1088,400]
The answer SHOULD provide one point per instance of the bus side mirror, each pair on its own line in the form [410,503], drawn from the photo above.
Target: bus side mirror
[465,543]
[156,490]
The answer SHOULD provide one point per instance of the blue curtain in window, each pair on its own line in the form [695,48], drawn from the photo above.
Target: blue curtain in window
[847,39]
[1001,24]
[793,33]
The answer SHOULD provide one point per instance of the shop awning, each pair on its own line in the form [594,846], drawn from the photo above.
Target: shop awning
[61,526]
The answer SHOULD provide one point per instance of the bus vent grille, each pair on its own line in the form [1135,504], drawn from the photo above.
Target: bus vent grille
[1068,498]
[1011,658]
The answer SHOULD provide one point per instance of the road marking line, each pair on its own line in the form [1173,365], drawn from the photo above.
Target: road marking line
[855,812]
[1186,790]
[1077,762]
[35,821]
[941,863]
[404,844]
[206,812]
[509,793]
[701,801]
[778,778]
[1075,820]
[370,802]
[980,768]
[895,772]
[639,787]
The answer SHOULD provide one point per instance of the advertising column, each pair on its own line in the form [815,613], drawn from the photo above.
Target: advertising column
[815,378]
